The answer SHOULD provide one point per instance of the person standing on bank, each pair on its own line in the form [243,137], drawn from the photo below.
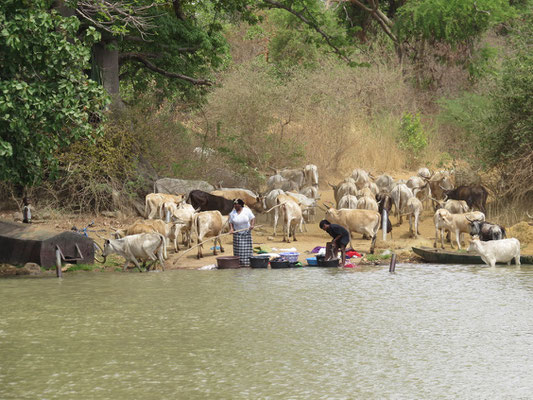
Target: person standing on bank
[241,222]
[341,237]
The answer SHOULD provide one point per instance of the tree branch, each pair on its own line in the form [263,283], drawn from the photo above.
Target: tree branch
[385,23]
[155,68]
[301,17]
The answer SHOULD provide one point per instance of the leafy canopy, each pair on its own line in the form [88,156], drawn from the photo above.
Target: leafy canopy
[449,21]
[46,99]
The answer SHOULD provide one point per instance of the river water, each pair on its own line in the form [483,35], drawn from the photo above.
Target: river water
[425,331]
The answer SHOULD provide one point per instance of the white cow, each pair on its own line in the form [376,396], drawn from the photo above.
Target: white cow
[144,246]
[292,217]
[306,204]
[361,178]
[456,223]
[311,175]
[385,183]
[365,222]
[400,194]
[209,224]
[414,210]
[348,201]
[270,201]
[367,203]
[424,173]
[491,252]
[153,202]
[311,192]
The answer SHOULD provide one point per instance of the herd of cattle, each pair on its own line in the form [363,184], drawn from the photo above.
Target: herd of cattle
[363,204]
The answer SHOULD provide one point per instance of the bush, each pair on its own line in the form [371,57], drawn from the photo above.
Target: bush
[412,138]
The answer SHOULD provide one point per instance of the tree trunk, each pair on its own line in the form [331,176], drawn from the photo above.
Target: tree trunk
[106,57]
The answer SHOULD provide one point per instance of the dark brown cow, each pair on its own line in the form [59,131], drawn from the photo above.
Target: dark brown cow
[208,202]
[473,195]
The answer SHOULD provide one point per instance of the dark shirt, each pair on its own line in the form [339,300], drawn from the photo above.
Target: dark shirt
[335,230]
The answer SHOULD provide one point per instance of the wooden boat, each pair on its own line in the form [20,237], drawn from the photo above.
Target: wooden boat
[22,243]
[439,256]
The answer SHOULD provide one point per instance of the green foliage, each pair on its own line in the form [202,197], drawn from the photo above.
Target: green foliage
[412,137]
[194,46]
[377,257]
[500,122]
[483,63]
[449,21]
[46,100]
[471,113]
[293,43]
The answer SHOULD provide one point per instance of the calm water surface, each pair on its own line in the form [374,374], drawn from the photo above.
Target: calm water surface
[426,331]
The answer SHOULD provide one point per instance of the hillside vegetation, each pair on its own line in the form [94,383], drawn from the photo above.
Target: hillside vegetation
[257,86]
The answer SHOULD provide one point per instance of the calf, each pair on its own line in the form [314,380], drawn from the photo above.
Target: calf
[306,204]
[183,215]
[145,246]
[456,223]
[292,218]
[414,209]
[503,250]
[487,231]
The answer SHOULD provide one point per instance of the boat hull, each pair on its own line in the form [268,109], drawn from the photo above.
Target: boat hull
[439,256]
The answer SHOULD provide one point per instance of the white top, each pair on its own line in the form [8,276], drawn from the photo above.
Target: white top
[242,219]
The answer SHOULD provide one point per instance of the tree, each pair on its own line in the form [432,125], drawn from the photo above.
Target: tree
[411,23]
[46,100]
[499,122]
[175,45]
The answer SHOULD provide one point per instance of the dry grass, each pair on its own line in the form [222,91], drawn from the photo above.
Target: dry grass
[342,117]
[522,231]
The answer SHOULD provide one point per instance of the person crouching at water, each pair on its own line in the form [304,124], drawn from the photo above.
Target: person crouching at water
[242,219]
[341,237]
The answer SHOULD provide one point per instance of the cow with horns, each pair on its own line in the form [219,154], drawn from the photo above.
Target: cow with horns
[486,231]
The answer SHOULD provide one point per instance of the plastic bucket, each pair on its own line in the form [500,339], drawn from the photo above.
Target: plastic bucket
[279,264]
[259,261]
[329,263]
[228,262]
[312,261]
[290,256]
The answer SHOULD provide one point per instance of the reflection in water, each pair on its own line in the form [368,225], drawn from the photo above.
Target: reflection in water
[423,332]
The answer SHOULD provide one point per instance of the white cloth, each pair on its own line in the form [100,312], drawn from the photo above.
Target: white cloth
[241,220]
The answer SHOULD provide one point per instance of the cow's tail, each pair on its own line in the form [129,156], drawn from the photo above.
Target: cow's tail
[504,234]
